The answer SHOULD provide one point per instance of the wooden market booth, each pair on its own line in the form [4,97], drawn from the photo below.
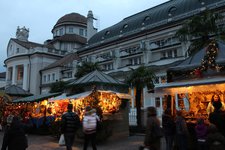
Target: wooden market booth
[109,96]
[33,109]
[191,84]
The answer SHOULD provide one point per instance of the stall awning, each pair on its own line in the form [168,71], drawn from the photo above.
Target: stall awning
[60,97]
[120,95]
[36,98]
[80,95]
[198,85]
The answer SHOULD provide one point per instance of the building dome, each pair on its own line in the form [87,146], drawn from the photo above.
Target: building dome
[72,18]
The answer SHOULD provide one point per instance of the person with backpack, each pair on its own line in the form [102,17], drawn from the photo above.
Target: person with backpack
[90,127]
[70,124]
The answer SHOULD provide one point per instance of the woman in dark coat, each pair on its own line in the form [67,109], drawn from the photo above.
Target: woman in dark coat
[14,137]
[153,130]
[169,128]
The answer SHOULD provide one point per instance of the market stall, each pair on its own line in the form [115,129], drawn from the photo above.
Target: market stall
[193,82]
[33,109]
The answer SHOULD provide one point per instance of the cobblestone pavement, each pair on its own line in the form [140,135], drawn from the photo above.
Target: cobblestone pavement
[37,142]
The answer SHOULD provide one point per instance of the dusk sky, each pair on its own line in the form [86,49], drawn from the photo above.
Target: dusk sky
[41,15]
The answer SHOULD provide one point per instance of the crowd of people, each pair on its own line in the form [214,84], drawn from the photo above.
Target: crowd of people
[208,135]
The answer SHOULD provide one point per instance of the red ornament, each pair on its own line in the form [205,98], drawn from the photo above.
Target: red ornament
[198,73]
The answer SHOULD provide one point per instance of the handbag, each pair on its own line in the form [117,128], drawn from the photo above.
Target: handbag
[62,140]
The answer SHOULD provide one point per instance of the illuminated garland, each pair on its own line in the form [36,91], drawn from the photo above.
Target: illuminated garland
[209,60]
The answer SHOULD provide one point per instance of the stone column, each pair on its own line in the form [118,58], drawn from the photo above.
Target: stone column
[14,76]
[25,76]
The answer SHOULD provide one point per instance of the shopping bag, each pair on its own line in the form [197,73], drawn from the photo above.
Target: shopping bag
[62,140]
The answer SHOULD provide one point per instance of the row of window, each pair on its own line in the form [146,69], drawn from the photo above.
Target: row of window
[49,78]
[71,30]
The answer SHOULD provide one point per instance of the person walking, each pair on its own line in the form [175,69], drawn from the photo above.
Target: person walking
[214,140]
[201,133]
[153,130]
[181,132]
[169,128]
[70,124]
[89,127]
[15,137]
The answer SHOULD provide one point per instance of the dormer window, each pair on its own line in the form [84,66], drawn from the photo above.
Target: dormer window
[146,19]
[107,32]
[202,2]
[171,11]
[125,26]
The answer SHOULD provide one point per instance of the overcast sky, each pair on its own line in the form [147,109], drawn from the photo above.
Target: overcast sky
[41,15]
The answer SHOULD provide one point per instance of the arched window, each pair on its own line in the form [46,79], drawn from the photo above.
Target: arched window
[171,11]
[146,19]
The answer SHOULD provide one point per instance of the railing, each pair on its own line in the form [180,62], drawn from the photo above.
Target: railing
[133,117]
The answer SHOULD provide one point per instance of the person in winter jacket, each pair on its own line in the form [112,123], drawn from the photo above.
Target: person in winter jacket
[201,133]
[153,132]
[14,137]
[169,128]
[181,132]
[214,140]
[89,127]
[70,124]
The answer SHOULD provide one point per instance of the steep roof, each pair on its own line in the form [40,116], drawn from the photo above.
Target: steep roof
[27,44]
[16,91]
[70,38]
[97,77]
[63,61]
[171,11]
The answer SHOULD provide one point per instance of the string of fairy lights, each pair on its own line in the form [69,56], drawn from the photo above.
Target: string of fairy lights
[209,60]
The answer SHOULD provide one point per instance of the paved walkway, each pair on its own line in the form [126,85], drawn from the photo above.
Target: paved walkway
[37,142]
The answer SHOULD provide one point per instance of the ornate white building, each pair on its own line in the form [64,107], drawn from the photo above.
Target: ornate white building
[146,38]
[25,59]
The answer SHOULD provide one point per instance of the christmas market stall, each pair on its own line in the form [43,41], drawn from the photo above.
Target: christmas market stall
[110,105]
[34,110]
[5,101]
[108,96]
[191,84]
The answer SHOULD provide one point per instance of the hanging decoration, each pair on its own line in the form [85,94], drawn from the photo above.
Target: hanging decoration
[209,60]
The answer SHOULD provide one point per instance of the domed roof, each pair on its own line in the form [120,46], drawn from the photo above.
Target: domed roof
[72,18]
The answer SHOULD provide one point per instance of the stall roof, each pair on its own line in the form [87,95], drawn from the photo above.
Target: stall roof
[80,95]
[17,91]
[60,97]
[87,93]
[36,98]
[205,84]
[97,77]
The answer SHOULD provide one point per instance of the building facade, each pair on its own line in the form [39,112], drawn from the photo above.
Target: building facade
[146,38]
[26,59]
